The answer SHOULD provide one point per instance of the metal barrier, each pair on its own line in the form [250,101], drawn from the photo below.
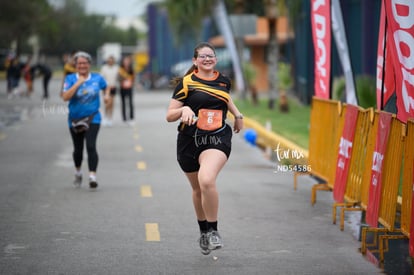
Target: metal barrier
[407,182]
[360,162]
[326,123]
[391,174]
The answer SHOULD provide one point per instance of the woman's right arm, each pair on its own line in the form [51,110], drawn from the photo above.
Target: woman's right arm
[177,110]
[67,95]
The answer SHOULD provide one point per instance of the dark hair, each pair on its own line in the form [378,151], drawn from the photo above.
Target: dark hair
[199,46]
[130,68]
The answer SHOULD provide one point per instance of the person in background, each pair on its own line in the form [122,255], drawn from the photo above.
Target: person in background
[13,74]
[82,90]
[127,80]
[109,71]
[200,101]
[46,72]
[28,76]
[68,66]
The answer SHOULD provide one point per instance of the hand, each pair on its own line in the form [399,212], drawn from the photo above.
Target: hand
[188,116]
[107,98]
[238,125]
[81,79]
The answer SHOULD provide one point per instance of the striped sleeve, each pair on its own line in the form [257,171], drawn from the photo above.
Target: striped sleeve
[180,91]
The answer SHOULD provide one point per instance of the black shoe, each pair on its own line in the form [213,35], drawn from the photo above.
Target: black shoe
[93,184]
[204,244]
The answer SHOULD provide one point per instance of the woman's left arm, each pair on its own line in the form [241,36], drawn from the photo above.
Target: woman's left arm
[238,117]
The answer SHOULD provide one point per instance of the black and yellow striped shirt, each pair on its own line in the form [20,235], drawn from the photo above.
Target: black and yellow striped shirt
[199,93]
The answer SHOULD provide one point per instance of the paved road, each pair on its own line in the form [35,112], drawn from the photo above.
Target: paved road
[141,220]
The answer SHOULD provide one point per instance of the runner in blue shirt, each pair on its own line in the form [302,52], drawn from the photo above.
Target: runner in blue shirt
[82,90]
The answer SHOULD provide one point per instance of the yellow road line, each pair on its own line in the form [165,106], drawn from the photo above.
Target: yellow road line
[152,232]
[141,165]
[3,136]
[146,191]
[136,136]
[138,148]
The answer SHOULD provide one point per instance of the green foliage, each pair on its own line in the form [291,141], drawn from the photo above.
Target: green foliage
[250,72]
[185,17]
[59,29]
[21,18]
[366,91]
[285,80]
[338,88]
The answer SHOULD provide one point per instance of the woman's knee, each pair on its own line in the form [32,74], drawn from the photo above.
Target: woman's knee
[207,181]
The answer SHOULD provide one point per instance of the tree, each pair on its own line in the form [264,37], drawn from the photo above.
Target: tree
[186,16]
[19,19]
[58,29]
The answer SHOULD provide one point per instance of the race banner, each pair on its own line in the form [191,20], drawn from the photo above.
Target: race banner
[375,186]
[321,33]
[400,22]
[345,151]
[385,71]
[338,31]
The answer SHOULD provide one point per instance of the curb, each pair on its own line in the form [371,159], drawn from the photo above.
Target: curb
[284,149]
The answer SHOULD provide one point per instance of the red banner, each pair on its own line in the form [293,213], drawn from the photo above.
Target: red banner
[374,196]
[400,22]
[321,33]
[345,151]
[385,69]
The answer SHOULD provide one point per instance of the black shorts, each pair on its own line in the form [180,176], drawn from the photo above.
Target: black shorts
[189,147]
[113,91]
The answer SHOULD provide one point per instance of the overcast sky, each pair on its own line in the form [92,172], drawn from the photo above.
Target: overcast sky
[126,11]
[121,8]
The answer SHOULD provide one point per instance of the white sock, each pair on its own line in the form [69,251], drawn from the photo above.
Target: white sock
[92,177]
[78,173]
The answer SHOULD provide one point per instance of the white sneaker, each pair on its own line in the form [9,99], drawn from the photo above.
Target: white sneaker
[214,240]
[78,180]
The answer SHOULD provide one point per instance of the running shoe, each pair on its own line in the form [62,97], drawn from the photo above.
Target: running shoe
[214,240]
[78,180]
[93,184]
[204,244]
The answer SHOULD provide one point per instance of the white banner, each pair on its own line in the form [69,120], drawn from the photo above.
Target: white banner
[339,34]
[223,23]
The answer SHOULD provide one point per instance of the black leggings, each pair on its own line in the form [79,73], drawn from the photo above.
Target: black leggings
[124,94]
[78,142]
[46,79]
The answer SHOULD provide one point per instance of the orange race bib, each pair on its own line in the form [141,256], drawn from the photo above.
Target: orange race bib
[209,120]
